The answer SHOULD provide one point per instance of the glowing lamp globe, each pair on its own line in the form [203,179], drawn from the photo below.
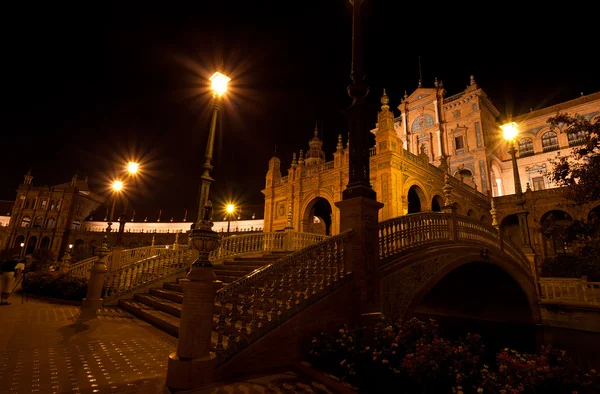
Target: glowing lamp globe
[133,167]
[510,131]
[219,83]
[230,208]
[117,186]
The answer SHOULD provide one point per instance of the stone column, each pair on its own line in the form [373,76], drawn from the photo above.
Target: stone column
[93,300]
[193,364]
[362,253]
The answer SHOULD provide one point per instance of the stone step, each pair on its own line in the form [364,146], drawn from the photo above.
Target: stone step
[162,320]
[231,272]
[162,304]
[234,267]
[242,264]
[171,295]
[173,286]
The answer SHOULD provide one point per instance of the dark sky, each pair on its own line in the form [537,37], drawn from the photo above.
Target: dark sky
[87,85]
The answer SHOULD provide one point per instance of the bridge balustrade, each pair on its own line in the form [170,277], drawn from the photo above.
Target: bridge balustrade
[399,234]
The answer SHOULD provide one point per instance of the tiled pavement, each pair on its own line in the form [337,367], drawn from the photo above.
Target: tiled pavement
[46,348]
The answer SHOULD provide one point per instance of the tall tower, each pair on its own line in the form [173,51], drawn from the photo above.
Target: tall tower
[315,154]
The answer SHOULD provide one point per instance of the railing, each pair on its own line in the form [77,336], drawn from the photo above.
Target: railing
[256,303]
[145,271]
[264,242]
[577,291]
[404,232]
[82,268]
[311,170]
[372,151]
[123,257]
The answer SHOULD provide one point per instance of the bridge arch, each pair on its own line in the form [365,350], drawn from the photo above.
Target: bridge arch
[407,280]
[322,208]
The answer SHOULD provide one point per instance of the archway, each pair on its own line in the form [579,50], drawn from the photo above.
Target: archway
[482,298]
[510,228]
[18,241]
[45,243]
[466,177]
[553,226]
[471,213]
[437,203]
[415,196]
[31,244]
[317,217]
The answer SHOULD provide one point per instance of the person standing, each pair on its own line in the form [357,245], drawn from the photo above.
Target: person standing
[10,269]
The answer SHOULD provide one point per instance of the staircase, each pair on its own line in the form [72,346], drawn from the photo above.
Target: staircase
[161,306]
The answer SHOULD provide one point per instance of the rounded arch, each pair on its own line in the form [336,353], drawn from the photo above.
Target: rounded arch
[553,226]
[416,199]
[26,221]
[317,217]
[509,226]
[31,244]
[502,262]
[437,202]
[303,221]
[470,213]
[467,176]
[45,243]
[38,222]
[593,214]
[19,239]
[496,179]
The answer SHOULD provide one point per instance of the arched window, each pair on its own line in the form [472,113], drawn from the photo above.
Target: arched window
[58,204]
[76,225]
[38,222]
[51,223]
[422,121]
[550,141]
[26,221]
[52,205]
[576,138]
[525,147]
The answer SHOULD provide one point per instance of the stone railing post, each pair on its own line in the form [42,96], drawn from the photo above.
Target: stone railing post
[288,241]
[362,253]
[450,208]
[65,265]
[93,299]
[193,364]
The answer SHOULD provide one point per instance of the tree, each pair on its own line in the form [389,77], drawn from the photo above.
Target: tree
[580,171]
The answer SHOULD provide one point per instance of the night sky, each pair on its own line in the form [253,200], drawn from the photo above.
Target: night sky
[86,86]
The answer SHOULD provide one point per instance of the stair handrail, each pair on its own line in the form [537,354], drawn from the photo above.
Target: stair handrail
[281,263]
[81,269]
[272,241]
[145,271]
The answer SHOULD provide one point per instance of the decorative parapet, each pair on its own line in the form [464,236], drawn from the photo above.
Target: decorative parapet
[572,291]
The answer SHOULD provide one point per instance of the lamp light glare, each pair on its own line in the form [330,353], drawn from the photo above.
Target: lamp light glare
[70,246]
[230,208]
[133,167]
[22,244]
[117,186]
[510,131]
[219,83]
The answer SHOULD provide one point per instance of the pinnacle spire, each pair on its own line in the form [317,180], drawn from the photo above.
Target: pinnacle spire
[385,100]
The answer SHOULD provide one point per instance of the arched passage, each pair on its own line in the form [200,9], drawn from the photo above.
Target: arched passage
[18,241]
[317,217]
[466,176]
[415,198]
[31,244]
[483,298]
[553,225]
[437,203]
[471,213]
[45,243]
[510,228]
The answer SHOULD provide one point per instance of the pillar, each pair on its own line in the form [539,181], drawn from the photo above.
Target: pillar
[93,299]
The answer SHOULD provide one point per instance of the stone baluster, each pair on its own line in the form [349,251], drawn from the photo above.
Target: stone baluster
[264,317]
[219,348]
[245,304]
[93,300]
[274,312]
[233,319]
[254,309]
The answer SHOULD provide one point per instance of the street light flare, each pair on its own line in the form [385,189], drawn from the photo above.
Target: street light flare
[117,186]
[219,83]
[230,208]
[510,131]
[133,167]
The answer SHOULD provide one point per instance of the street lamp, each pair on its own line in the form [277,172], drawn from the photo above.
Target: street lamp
[510,132]
[117,186]
[230,210]
[133,167]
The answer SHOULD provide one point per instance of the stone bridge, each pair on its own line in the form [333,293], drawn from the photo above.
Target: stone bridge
[461,257]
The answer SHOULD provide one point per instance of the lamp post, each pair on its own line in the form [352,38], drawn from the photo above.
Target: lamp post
[193,364]
[22,246]
[510,132]
[230,210]
[117,186]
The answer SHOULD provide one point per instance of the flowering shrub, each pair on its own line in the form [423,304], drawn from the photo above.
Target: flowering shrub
[55,285]
[413,357]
